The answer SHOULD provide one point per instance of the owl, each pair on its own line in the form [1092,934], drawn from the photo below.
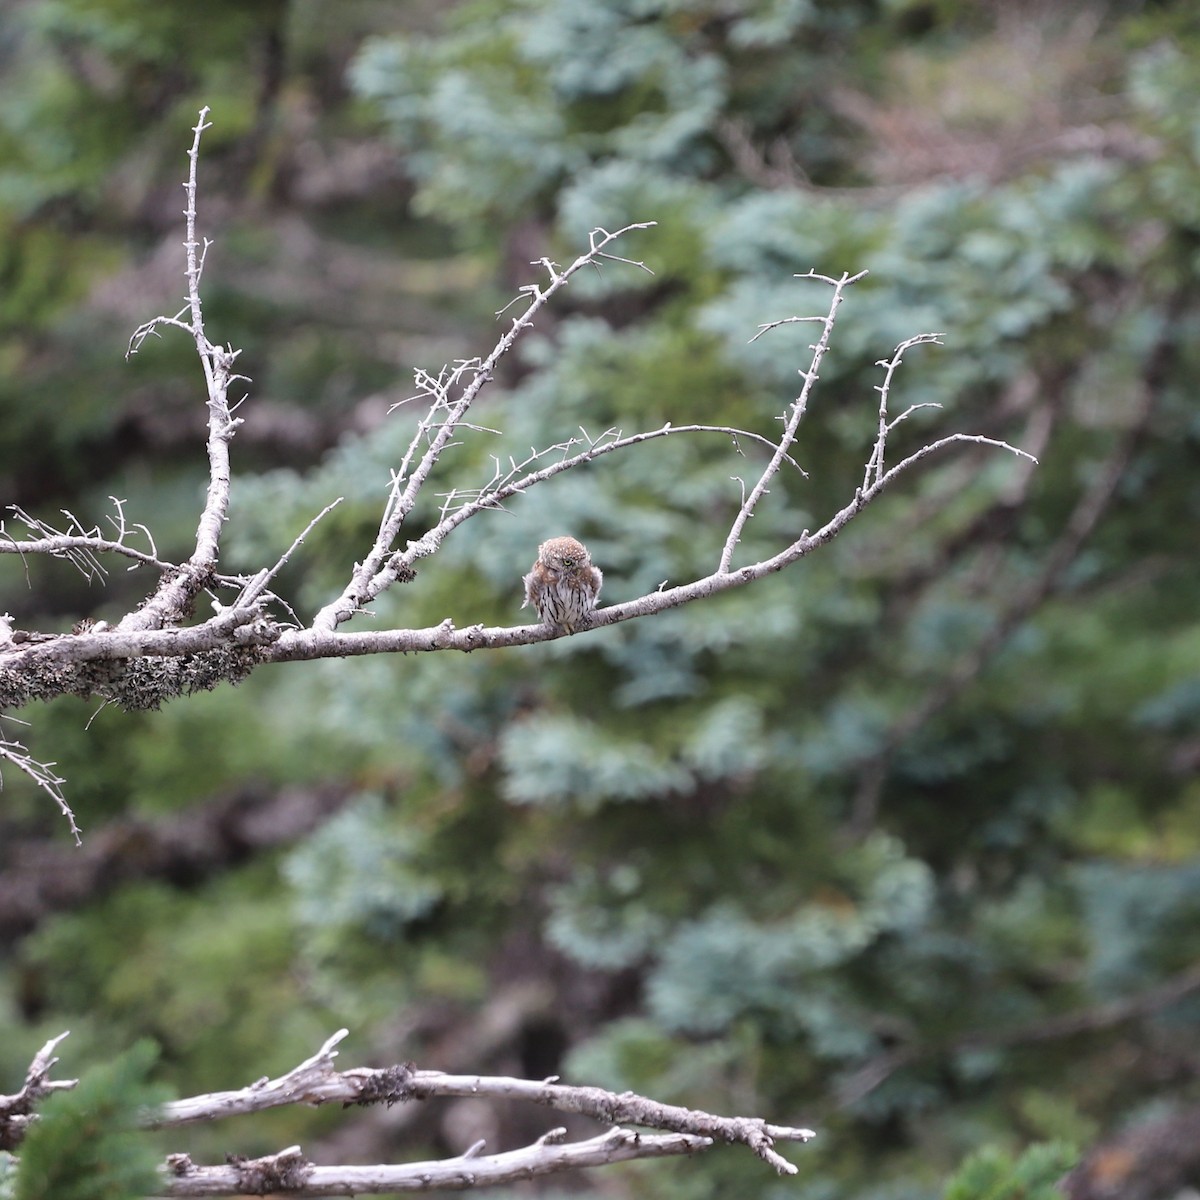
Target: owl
[563,585]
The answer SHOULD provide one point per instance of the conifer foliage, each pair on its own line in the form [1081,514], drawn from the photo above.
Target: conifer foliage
[897,843]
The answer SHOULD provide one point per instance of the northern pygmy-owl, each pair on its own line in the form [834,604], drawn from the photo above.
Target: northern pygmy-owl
[563,585]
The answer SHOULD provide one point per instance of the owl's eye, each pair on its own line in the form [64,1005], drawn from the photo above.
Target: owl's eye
[568,562]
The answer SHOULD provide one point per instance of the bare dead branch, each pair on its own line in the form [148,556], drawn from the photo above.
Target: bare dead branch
[43,776]
[625,1108]
[150,328]
[177,591]
[446,414]
[289,1173]
[316,1081]
[79,545]
[16,1111]
[152,655]
[795,414]
[874,469]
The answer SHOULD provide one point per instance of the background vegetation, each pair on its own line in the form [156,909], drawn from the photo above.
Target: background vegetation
[903,844]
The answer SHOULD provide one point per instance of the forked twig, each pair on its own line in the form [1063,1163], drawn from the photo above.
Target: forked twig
[42,775]
[795,414]
[177,590]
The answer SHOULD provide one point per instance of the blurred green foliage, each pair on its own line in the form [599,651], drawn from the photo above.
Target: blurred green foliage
[748,879]
[993,1175]
[86,1144]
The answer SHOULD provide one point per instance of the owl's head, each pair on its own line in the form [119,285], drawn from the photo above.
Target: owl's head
[564,554]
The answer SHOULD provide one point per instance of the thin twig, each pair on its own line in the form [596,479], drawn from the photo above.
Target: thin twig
[513,483]
[79,548]
[257,586]
[43,776]
[795,414]
[874,468]
[175,594]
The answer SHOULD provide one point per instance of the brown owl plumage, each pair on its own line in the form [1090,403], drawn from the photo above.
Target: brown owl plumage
[563,585]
